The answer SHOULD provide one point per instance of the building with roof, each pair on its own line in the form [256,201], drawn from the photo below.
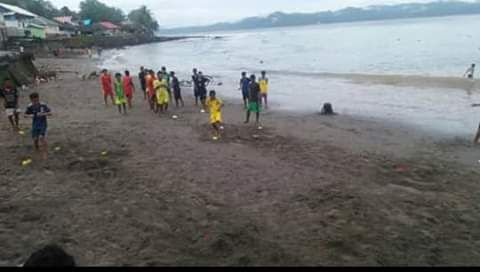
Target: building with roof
[16,19]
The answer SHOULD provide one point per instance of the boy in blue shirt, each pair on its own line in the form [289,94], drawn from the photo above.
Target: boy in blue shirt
[39,112]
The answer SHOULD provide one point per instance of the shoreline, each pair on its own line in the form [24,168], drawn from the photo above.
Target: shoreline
[308,190]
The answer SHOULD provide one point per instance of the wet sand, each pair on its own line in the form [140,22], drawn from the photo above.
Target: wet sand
[307,190]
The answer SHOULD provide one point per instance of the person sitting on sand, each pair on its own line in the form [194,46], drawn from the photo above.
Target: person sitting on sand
[129,88]
[150,78]
[50,256]
[202,89]
[177,91]
[120,97]
[10,96]
[161,92]
[470,72]
[143,82]
[215,106]
[39,112]
[106,80]
[244,85]
[254,104]
[263,81]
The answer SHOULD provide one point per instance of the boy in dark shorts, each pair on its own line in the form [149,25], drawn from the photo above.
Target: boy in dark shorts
[202,90]
[177,91]
[254,104]
[39,112]
[244,85]
[195,85]
[143,82]
[10,97]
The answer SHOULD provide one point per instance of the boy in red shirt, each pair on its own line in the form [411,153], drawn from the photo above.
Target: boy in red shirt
[129,88]
[106,80]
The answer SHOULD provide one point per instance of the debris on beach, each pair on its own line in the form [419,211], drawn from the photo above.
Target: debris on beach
[27,162]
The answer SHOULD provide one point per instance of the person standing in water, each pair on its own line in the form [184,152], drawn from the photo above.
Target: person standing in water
[244,85]
[254,104]
[263,81]
[470,73]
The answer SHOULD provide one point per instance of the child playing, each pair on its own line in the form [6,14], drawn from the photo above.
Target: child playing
[106,80]
[177,92]
[254,100]
[161,89]
[215,106]
[129,88]
[244,85]
[10,97]
[120,98]
[149,79]
[263,81]
[38,112]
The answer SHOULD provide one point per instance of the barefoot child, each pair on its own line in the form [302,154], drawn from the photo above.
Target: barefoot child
[161,89]
[149,79]
[10,97]
[120,98]
[177,92]
[244,85]
[129,88]
[39,112]
[106,80]
[254,100]
[215,106]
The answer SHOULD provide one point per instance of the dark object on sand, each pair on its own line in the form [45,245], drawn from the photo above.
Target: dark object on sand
[327,109]
[50,256]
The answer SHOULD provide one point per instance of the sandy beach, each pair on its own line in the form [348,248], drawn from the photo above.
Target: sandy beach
[307,190]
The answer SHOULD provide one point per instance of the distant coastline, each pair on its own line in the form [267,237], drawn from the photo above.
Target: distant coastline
[347,15]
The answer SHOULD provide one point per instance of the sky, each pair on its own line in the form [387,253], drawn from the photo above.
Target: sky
[177,13]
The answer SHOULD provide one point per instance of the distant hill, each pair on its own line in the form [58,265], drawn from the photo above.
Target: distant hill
[371,13]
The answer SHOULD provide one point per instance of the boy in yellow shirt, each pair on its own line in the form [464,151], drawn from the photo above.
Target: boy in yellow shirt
[263,81]
[215,106]
[161,91]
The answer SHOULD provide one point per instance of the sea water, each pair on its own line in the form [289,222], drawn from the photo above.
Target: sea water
[311,65]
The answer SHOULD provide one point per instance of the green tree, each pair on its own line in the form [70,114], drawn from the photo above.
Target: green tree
[98,11]
[143,18]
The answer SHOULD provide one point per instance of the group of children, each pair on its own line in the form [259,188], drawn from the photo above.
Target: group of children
[158,88]
[36,110]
